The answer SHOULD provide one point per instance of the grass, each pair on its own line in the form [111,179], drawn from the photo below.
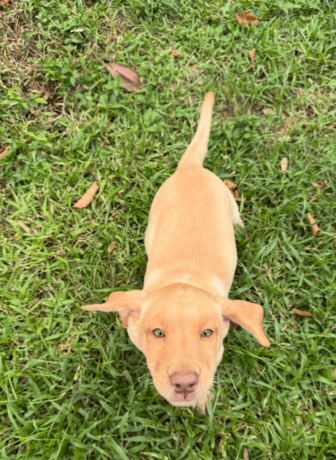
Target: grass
[72,386]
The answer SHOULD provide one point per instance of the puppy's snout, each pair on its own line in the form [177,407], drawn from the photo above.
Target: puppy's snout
[184,383]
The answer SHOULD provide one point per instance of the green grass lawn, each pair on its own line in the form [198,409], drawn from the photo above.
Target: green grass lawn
[72,386]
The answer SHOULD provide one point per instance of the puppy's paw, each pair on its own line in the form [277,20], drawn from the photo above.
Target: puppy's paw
[239,222]
[201,403]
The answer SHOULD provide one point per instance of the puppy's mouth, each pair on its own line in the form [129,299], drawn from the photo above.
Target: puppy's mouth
[189,401]
[183,397]
[184,403]
[179,399]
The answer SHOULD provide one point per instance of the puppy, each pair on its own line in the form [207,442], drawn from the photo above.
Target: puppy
[183,313]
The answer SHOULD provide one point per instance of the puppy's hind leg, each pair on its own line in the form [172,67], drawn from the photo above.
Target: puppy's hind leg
[234,211]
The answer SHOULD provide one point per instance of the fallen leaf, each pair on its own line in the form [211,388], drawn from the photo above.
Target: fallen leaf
[268,111]
[251,54]
[175,53]
[334,374]
[87,197]
[284,164]
[320,186]
[74,12]
[119,195]
[237,196]
[246,18]
[315,227]
[51,88]
[332,328]
[4,152]
[313,198]
[129,79]
[112,246]
[230,185]
[246,455]
[302,312]
[6,421]
[24,226]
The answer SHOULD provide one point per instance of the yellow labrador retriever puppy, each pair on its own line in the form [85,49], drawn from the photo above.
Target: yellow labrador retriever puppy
[183,313]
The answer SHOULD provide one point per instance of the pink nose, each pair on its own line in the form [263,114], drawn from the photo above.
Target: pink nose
[184,383]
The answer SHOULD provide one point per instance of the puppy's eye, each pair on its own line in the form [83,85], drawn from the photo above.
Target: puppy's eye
[206,333]
[159,333]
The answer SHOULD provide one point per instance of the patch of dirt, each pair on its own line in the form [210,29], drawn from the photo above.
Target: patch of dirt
[15,52]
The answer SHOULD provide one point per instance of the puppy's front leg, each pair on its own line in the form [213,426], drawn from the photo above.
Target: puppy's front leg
[201,403]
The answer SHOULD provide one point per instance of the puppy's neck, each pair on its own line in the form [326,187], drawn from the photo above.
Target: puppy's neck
[160,278]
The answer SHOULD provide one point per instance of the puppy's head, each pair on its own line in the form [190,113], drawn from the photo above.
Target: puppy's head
[180,330]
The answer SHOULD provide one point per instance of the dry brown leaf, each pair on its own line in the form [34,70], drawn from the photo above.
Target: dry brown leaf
[302,312]
[129,79]
[87,197]
[73,11]
[315,227]
[246,455]
[6,421]
[313,198]
[50,87]
[320,186]
[4,152]
[112,246]
[268,111]
[230,185]
[251,54]
[246,18]
[284,164]
[119,195]
[24,226]
[237,196]
[332,328]
[175,53]
[334,374]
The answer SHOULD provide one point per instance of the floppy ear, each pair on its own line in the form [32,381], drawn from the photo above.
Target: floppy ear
[247,315]
[126,303]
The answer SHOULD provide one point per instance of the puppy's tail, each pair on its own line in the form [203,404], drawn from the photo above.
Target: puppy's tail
[195,153]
